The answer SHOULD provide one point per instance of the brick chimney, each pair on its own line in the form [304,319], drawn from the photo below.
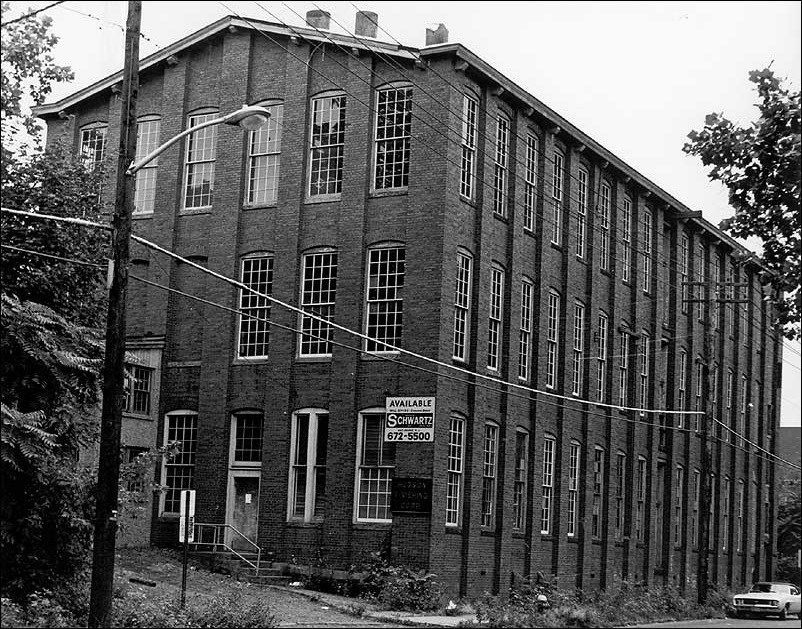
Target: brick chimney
[437,36]
[318,19]
[366,23]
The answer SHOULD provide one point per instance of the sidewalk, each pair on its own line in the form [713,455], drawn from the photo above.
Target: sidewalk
[358,607]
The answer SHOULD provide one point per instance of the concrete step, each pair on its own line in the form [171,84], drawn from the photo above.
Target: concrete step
[263,579]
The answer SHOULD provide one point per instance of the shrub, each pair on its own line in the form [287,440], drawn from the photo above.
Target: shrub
[38,610]
[399,588]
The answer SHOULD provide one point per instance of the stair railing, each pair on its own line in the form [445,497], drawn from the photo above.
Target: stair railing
[214,535]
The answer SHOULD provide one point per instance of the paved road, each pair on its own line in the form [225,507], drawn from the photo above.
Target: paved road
[742,623]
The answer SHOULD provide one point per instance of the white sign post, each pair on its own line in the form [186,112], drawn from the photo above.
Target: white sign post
[186,534]
[409,419]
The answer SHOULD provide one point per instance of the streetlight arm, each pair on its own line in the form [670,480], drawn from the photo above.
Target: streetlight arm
[136,166]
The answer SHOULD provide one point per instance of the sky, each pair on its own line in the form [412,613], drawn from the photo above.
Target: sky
[635,76]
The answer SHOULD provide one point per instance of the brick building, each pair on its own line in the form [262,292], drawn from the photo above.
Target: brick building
[423,199]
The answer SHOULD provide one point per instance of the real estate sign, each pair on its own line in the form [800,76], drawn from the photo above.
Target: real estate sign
[409,419]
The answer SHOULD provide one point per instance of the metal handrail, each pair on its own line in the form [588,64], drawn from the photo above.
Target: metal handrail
[218,539]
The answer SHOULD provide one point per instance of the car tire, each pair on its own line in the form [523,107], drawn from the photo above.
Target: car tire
[784,613]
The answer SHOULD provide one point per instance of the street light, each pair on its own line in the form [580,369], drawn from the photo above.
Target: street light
[250,118]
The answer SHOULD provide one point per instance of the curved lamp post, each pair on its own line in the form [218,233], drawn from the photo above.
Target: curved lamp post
[250,118]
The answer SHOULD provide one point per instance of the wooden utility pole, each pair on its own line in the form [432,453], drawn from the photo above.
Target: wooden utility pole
[113,367]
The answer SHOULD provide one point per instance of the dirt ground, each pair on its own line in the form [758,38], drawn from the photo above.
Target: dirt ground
[291,609]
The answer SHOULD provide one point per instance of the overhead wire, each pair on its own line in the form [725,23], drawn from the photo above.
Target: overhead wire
[28,16]
[297,332]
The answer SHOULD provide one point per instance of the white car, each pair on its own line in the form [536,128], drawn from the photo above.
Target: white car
[769,598]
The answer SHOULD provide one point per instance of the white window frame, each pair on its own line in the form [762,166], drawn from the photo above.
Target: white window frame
[489,475]
[553,342]
[725,512]
[640,509]
[264,164]
[685,252]
[462,306]
[311,466]
[525,335]
[470,107]
[89,154]
[520,495]
[645,344]
[147,140]
[682,386]
[739,530]
[557,182]
[578,348]
[138,380]
[581,212]
[626,238]
[530,185]
[456,470]
[574,460]
[620,494]
[336,149]
[697,477]
[601,355]
[320,299]
[716,290]
[208,137]
[679,495]
[373,306]
[166,465]
[700,370]
[500,166]
[232,445]
[403,93]
[605,195]
[261,310]
[547,484]
[597,524]
[647,251]
[495,318]
[359,467]
[700,289]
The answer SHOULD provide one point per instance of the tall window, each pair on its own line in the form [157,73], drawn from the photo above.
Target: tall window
[728,400]
[547,485]
[604,226]
[695,509]
[494,317]
[620,489]
[385,298]
[490,455]
[714,392]
[626,237]
[147,139]
[179,471]
[500,166]
[716,288]
[742,415]
[553,339]
[319,290]
[700,276]
[557,197]
[530,187]
[623,369]
[645,343]
[573,487]
[138,383]
[684,262]
[93,145]
[678,499]
[393,133]
[739,531]
[682,386]
[327,146]
[725,513]
[647,251]
[598,490]
[254,330]
[376,466]
[581,213]
[456,438]
[578,348]
[640,510]
[519,501]
[525,337]
[700,370]
[310,436]
[246,435]
[729,292]
[468,164]
[601,356]
[462,305]
[264,159]
[201,150]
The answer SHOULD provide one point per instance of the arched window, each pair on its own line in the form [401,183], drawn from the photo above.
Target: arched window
[264,158]
[574,457]
[455,473]
[318,294]
[147,140]
[392,136]
[327,145]
[200,161]
[254,328]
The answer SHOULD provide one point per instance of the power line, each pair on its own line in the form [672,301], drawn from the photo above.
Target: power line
[32,13]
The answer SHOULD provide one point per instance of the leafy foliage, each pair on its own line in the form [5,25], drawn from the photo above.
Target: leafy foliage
[760,165]
[401,588]
[789,526]
[29,73]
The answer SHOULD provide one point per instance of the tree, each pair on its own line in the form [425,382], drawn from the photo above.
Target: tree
[28,73]
[760,165]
